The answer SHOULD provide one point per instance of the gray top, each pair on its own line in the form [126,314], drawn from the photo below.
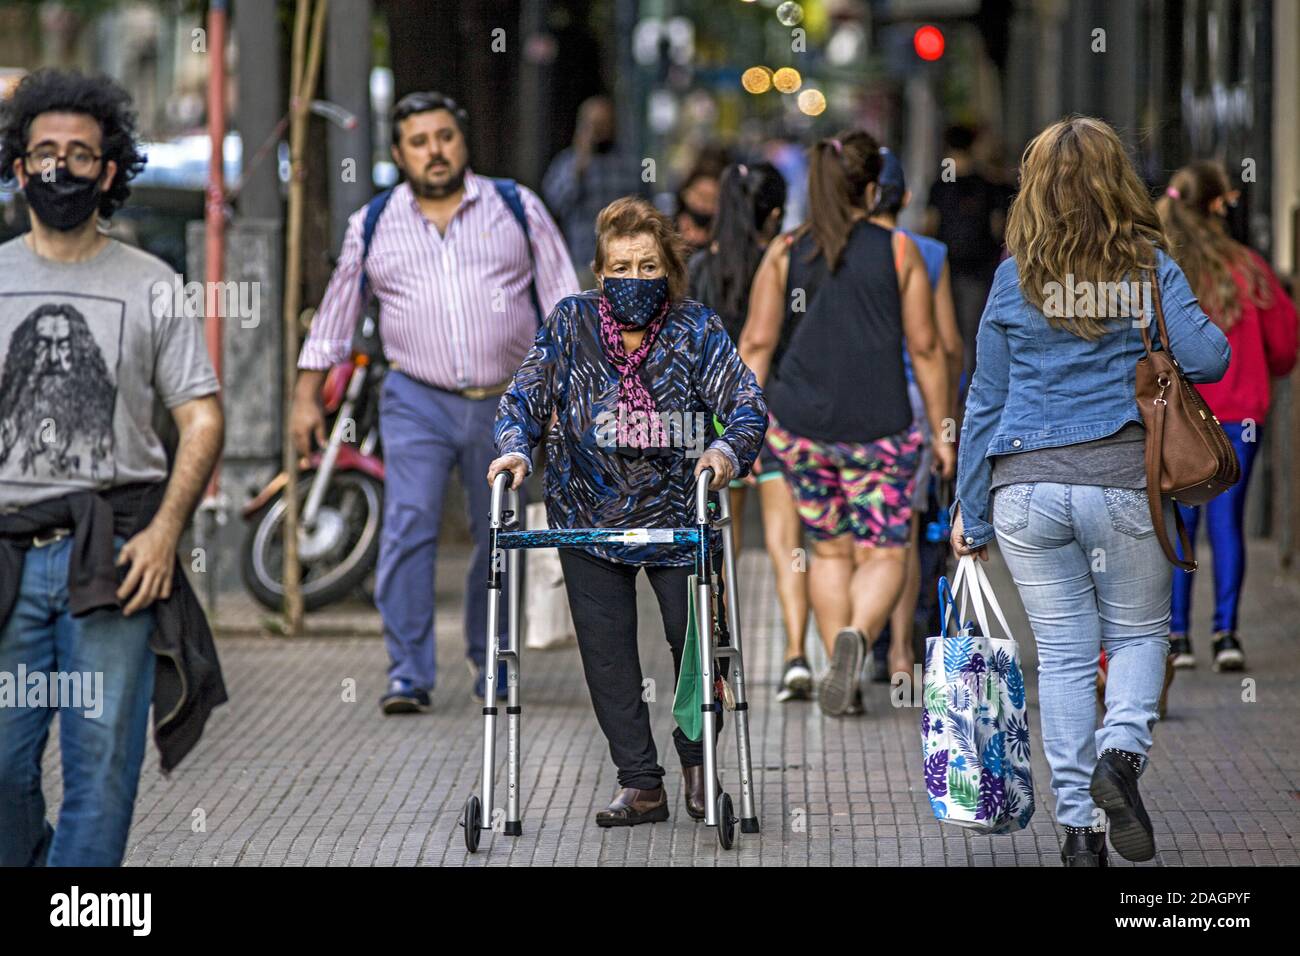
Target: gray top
[1116,461]
[86,350]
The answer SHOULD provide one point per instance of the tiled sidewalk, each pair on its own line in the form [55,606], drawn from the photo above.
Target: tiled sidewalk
[291,772]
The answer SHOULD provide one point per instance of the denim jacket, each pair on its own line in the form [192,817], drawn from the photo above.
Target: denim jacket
[1036,386]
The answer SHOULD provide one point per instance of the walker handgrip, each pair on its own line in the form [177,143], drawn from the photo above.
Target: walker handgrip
[702,482]
[500,486]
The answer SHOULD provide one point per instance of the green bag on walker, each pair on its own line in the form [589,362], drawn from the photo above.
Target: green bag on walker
[686,701]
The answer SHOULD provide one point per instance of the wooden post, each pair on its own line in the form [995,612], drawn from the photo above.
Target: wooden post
[304,69]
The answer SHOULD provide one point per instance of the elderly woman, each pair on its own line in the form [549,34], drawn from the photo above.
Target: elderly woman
[634,374]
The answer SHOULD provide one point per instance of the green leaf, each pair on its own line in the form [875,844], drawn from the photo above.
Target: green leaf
[936,701]
[962,792]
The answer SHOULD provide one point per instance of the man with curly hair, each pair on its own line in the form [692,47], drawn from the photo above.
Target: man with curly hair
[91,592]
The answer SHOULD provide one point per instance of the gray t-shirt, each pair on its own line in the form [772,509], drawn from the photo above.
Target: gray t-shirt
[83,359]
[1116,461]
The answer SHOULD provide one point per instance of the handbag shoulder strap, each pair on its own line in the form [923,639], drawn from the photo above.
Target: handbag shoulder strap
[1155,439]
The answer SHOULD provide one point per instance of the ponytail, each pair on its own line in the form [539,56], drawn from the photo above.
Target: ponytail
[1201,246]
[839,171]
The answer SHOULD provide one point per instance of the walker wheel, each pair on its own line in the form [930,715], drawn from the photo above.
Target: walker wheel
[726,822]
[472,821]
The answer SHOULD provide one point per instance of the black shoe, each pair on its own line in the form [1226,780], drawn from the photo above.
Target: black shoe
[796,681]
[1180,651]
[1085,849]
[1228,655]
[1115,789]
[405,698]
[631,807]
[840,687]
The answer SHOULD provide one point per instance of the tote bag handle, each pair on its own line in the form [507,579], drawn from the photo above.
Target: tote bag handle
[978,587]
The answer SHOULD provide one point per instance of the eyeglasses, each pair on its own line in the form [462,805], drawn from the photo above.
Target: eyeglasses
[80,159]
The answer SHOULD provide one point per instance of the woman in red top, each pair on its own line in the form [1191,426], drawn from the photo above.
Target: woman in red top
[1238,290]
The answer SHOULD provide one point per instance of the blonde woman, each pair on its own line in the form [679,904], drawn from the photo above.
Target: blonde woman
[1051,462]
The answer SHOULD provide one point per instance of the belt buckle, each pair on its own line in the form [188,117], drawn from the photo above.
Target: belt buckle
[40,541]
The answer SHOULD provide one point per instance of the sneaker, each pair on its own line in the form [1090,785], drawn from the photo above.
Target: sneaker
[1228,655]
[403,697]
[796,681]
[840,687]
[1114,789]
[1180,651]
[880,660]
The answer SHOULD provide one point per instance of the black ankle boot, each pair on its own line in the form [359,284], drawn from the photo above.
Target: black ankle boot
[1085,849]
[1115,789]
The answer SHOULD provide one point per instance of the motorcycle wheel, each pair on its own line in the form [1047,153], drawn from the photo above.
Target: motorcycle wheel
[335,559]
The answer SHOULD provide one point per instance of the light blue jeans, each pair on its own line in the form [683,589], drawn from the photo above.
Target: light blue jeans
[103,748]
[1091,574]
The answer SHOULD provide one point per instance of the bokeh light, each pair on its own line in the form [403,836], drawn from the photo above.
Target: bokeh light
[789,13]
[787,79]
[756,80]
[811,102]
[928,42]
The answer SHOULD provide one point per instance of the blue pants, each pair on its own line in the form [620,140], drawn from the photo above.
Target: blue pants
[102,735]
[1091,575]
[426,432]
[1224,518]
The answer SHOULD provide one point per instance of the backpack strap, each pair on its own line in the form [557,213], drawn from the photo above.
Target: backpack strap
[508,190]
[374,209]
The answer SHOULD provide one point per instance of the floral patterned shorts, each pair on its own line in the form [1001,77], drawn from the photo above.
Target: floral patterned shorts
[848,487]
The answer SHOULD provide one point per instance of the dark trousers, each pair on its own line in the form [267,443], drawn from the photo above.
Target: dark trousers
[602,597]
[970,292]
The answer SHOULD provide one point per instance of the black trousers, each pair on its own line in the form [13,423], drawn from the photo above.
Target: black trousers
[602,597]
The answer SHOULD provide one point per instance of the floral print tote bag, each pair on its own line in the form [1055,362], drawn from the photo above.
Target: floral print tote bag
[974,725]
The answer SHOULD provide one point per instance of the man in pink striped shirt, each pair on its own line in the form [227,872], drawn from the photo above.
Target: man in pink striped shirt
[454,273]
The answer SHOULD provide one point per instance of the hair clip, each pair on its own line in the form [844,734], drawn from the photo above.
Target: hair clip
[838,146]
[744,170]
[1173,193]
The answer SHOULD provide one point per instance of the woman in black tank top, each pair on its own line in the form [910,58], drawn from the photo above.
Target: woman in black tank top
[841,421]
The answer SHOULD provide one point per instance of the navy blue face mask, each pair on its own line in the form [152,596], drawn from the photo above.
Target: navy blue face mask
[635,303]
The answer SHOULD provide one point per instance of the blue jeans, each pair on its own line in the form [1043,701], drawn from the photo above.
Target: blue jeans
[1091,575]
[426,432]
[103,746]
[1223,518]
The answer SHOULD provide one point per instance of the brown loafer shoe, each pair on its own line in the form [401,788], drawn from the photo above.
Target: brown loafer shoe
[631,806]
[693,784]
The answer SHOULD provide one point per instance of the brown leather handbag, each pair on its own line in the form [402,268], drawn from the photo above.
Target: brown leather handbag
[1188,456]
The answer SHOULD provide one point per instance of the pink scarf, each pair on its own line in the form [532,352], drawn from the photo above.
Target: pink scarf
[633,396]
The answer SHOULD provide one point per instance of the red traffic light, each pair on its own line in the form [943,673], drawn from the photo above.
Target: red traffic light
[928,42]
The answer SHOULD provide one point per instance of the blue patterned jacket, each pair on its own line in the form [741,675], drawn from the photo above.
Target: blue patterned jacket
[693,372]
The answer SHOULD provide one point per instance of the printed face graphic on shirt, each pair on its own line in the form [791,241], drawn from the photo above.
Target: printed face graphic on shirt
[57,394]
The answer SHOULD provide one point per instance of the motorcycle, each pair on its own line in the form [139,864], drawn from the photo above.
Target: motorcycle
[340,491]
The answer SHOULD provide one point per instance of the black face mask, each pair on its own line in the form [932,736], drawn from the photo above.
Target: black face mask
[65,203]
